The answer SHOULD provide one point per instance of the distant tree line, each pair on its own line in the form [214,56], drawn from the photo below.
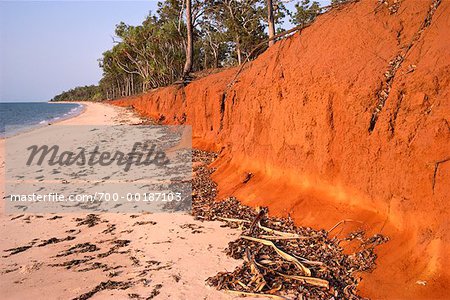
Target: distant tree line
[81,93]
[186,36]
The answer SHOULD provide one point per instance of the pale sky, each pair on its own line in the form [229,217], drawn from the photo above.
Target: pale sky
[47,47]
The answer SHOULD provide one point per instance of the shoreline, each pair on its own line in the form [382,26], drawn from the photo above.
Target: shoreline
[94,117]
[134,255]
[38,126]
[78,253]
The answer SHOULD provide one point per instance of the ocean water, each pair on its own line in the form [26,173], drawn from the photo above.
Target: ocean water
[19,117]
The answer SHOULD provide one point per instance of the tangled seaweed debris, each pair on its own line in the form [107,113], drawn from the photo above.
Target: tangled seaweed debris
[55,240]
[281,260]
[204,190]
[79,248]
[17,250]
[91,220]
[106,285]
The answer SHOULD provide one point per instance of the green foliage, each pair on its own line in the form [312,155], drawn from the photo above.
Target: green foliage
[241,23]
[305,12]
[152,54]
[280,12]
[81,93]
[334,2]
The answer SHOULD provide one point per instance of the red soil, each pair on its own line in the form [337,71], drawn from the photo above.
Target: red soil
[298,119]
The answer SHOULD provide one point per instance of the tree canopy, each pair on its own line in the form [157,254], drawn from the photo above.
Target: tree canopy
[81,93]
[153,54]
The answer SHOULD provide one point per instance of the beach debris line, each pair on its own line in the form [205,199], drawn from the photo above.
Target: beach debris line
[281,260]
[295,262]
[105,285]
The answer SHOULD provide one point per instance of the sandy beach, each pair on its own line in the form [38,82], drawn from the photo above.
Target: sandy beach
[289,150]
[109,255]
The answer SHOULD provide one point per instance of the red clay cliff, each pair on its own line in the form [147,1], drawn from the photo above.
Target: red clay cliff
[347,119]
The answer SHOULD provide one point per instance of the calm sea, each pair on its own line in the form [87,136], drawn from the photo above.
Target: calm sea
[18,117]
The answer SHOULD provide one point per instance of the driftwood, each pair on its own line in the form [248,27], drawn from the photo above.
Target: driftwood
[310,280]
[234,220]
[246,294]
[281,233]
[276,253]
[283,254]
[277,237]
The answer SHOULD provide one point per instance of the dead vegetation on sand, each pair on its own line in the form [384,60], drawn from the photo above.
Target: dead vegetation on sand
[281,260]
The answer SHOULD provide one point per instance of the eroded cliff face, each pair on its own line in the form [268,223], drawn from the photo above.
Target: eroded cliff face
[348,119]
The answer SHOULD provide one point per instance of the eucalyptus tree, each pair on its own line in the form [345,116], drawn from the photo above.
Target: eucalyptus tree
[119,79]
[305,12]
[186,36]
[154,50]
[243,22]
[189,40]
[270,22]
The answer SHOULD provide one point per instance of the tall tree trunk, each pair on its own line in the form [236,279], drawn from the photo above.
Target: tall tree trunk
[131,84]
[238,51]
[190,41]
[270,21]
[216,59]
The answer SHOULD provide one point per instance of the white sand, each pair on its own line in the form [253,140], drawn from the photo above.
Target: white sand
[165,255]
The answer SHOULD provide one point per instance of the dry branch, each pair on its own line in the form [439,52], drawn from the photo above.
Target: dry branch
[310,280]
[273,272]
[283,254]
[246,294]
